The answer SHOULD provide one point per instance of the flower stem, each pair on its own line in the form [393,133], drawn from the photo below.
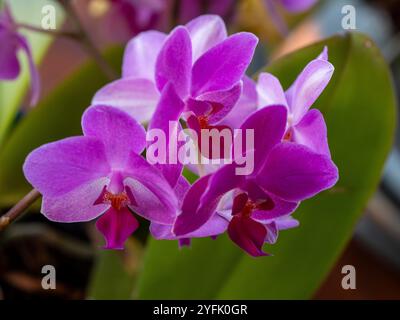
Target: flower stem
[20,208]
[87,42]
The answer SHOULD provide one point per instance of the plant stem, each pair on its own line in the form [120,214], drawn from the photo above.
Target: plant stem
[55,33]
[87,42]
[20,208]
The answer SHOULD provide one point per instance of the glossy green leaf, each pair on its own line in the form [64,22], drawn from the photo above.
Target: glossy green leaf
[114,274]
[359,107]
[58,116]
[12,93]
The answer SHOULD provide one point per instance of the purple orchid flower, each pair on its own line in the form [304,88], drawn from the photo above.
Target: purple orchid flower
[297,6]
[253,208]
[101,174]
[304,126]
[204,66]
[140,15]
[11,41]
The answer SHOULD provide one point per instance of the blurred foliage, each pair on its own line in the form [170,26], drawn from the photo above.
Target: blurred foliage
[115,273]
[12,93]
[359,107]
[253,16]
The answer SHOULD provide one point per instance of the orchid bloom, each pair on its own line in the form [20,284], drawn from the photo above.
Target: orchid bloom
[140,15]
[11,41]
[204,66]
[297,6]
[101,174]
[304,126]
[253,208]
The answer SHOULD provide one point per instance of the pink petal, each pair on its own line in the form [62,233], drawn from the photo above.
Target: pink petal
[156,200]
[202,199]
[168,109]
[270,91]
[213,227]
[76,205]
[119,132]
[221,67]
[137,97]
[280,208]
[248,235]
[269,127]
[293,172]
[9,64]
[311,131]
[206,31]
[297,6]
[116,227]
[141,55]
[308,87]
[246,105]
[60,167]
[174,62]
[224,100]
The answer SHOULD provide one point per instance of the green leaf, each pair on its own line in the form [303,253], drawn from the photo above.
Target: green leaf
[56,117]
[115,272]
[12,93]
[359,107]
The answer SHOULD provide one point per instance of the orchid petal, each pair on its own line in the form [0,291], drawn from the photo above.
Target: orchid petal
[281,208]
[223,101]
[174,62]
[293,172]
[141,55]
[206,31]
[297,6]
[311,131]
[59,167]
[287,222]
[119,132]
[269,127]
[270,91]
[116,227]
[246,105]
[169,109]
[76,205]
[156,200]
[197,207]
[137,97]
[272,233]
[213,227]
[221,67]
[248,235]
[9,64]
[308,87]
